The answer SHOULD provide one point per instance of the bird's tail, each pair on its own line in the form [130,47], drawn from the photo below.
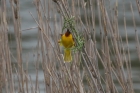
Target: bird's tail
[67,55]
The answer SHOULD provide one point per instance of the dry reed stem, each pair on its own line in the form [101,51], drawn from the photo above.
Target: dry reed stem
[60,77]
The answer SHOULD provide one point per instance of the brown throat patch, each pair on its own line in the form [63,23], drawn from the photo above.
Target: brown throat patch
[67,33]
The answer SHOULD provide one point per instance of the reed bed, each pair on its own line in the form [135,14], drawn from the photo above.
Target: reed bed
[83,75]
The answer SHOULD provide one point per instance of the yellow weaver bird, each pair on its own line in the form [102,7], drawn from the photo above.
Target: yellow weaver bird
[67,42]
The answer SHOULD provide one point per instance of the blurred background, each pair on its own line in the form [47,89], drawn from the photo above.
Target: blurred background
[29,37]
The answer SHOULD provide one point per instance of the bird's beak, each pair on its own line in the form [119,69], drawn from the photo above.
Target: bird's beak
[61,34]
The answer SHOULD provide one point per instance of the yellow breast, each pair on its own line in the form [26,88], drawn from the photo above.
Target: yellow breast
[67,41]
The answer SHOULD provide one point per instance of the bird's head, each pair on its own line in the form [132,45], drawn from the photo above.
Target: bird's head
[67,33]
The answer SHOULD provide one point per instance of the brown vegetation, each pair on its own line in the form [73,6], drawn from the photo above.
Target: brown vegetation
[82,75]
